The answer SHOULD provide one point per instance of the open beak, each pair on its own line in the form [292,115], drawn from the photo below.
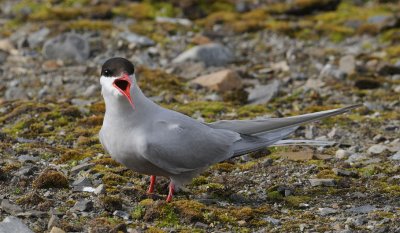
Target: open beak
[123,85]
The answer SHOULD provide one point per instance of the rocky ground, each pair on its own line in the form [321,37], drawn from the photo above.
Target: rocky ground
[232,59]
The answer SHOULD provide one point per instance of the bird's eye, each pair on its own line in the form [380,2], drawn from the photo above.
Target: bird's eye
[107,73]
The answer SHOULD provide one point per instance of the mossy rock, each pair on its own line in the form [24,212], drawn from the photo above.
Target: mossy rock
[50,178]
[190,210]
[111,202]
[138,11]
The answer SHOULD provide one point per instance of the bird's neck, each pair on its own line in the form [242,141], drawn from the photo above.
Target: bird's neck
[118,109]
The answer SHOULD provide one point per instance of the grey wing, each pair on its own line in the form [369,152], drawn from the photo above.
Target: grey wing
[182,144]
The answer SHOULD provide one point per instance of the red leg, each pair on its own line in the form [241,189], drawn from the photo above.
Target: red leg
[171,192]
[152,183]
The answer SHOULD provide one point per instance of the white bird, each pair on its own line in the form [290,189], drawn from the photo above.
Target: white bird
[156,141]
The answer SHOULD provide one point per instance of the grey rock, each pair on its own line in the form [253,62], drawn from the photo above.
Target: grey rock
[395,156]
[377,149]
[136,39]
[342,154]
[273,221]
[356,157]
[28,158]
[322,182]
[365,209]
[82,182]
[9,207]
[342,172]
[263,93]
[3,56]
[67,47]
[327,211]
[83,205]
[347,64]
[12,224]
[26,171]
[32,213]
[100,189]
[200,225]
[91,90]
[38,37]
[75,170]
[121,214]
[210,54]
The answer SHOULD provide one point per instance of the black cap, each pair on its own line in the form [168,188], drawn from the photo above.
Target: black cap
[115,66]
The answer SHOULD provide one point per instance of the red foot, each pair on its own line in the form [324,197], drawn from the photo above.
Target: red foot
[171,192]
[152,183]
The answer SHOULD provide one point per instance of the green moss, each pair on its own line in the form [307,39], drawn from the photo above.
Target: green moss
[135,10]
[295,201]
[274,196]
[113,179]
[168,216]
[94,25]
[138,212]
[190,210]
[111,202]
[200,180]
[224,167]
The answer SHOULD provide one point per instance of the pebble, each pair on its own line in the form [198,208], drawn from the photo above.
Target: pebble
[327,211]
[273,221]
[57,230]
[28,158]
[83,205]
[347,64]
[356,157]
[323,182]
[342,172]
[210,54]
[200,225]
[376,149]
[83,181]
[100,189]
[262,94]
[85,166]
[121,214]
[67,47]
[37,38]
[136,39]
[365,209]
[9,207]
[222,81]
[13,224]
[342,154]
[395,156]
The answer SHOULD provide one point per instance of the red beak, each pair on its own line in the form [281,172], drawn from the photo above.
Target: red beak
[123,85]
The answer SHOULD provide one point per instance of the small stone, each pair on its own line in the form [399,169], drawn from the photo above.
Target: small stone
[224,80]
[303,155]
[67,47]
[51,65]
[242,223]
[327,211]
[310,132]
[83,181]
[281,66]
[377,149]
[37,38]
[28,158]
[75,170]
[365,209]
[56,230]
[13,224]
[136,39]
[379,138]
[302,227]
[200,225]
[210,54]
[9,207]
[342,154]
[8,47]
[200,39]
[262,94]
[53,221]
[341,172]
[395,156]
[356,157]
[347,64]
[323,182]
[83,205]
[100,189]
[273,221]
[181,21]
[121,214]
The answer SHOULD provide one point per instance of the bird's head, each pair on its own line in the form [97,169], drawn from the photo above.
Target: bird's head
[118,78]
